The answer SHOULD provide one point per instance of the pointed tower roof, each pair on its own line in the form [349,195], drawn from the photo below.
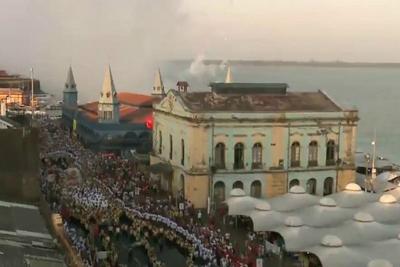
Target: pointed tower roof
[70,82]
[108,93]
[228,78]
[158,86]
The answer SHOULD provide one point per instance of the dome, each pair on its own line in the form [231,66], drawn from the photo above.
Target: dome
[264,206]
[331,241]
[379,263]
[297,190]
[387,199]
[293,221]
[352,187]
[237,192]
[363,217]
[327,202]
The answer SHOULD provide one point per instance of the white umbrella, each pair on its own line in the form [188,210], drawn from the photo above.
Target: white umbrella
[240,204]
[297,198]
[386,210]
[363,229]
[296,235]
[325,214]
[353,197]
[265,219]
[332,253]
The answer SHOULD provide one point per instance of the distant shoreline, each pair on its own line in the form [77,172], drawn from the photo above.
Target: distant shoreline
[337,64]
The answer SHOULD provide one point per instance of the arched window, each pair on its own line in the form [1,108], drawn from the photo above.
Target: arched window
[295,155]
[312,186]
[239,156]
[159,142]
[293,183]
[330,153]
[257,156]
[255,189]
[237,184]
[313,154]
[219,192]
[182,152]
[328,186]
[220,156]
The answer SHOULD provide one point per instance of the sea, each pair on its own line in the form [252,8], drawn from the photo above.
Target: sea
[374,91]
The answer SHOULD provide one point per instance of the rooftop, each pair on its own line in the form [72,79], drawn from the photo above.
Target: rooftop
[24,237]
[274,100]
[249,88]
[134,108]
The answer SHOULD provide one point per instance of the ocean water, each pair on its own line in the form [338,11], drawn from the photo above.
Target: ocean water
[375,92]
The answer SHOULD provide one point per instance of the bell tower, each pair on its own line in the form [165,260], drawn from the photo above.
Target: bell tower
[108,108]
[70,94]
[158,86]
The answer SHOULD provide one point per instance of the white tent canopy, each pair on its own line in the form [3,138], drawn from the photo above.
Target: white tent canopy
[349,228]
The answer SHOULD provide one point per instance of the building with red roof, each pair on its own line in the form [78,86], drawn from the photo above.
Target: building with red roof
[118,122]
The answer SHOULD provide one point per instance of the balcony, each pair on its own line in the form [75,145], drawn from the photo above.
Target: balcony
[219,166]
[256,165]
[295,163]
[238,165]
[312,163]
[330,162]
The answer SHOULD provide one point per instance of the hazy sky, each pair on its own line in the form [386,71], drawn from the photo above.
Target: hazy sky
[135,36]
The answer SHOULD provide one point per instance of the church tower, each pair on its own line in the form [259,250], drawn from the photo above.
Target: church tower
[158,86]
[108,108]
[70,94]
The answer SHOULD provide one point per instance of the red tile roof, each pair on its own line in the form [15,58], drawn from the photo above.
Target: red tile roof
[134,108]
[135,99]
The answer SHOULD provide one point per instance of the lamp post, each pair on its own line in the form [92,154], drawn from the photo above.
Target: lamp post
[366,179]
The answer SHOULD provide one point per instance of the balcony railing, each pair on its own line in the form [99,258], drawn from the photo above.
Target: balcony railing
[330,162]
[295,163]
[312,163]
[257,165]
[219,166]
[238,165]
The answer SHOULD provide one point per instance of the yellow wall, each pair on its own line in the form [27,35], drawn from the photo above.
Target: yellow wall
[345,177]
[276,184]
[196,190]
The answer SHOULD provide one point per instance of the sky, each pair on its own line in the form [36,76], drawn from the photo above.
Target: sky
[136,36]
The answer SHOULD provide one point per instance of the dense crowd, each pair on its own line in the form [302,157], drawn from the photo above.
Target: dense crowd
[114,198]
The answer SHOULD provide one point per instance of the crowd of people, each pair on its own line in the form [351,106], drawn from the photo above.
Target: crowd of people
[114,198]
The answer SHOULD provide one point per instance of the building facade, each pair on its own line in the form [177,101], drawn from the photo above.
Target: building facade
[118,122]
[258,137]
[18,90]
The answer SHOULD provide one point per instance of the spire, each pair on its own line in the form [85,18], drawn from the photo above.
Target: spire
[158,86]
[228,78]
[108,93]
[70,82]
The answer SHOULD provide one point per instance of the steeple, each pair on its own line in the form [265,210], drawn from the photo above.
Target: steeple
[228,78]
[70,82]
[158,86]
[108,108]
[108,93]
[70,94]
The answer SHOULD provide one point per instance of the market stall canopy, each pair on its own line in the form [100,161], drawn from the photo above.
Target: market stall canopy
[348,228]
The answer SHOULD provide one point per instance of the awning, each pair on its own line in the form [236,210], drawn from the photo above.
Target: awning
[161,168]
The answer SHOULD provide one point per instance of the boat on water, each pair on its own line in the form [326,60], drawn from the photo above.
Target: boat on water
[382,174]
